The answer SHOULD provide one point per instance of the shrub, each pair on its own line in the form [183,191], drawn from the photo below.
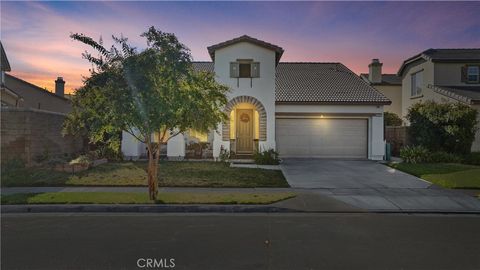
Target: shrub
[225,155]
[268,157]
[473,158]
[12,165]
[444,157]
[448,127]
[391,119]
[82,160]
[414,154]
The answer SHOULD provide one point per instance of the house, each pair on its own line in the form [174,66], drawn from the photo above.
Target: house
[32,120]
[16,92]
[442,75]
[390,85]
[8,96]
[301,109]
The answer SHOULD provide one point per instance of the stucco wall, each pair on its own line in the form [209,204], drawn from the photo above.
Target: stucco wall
[27,133]
[450,74]
[262,88]
[394,93]
[427,93]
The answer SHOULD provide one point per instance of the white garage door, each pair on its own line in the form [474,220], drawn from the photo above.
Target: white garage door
[329,138]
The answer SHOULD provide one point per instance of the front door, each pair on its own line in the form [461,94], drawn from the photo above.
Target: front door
[244,123]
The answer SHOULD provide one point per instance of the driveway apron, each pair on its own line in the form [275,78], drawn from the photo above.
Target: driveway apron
[373,186]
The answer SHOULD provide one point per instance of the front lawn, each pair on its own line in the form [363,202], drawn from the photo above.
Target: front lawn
[449,175]
[172,174]
[142,198]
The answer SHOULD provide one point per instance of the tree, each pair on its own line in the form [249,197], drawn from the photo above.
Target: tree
[391,119]
[446,127]
[153,95]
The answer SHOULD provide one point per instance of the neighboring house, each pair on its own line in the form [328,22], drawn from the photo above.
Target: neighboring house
[8,97]
[390,85]
[32,120]
[16,92]
[299,109]
[442,75]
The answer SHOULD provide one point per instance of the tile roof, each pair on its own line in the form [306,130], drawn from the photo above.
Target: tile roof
[299,82]
[31,86]
[203,66]
[468,94]
[278,50]
[452,54]
[443,55]
[387,79]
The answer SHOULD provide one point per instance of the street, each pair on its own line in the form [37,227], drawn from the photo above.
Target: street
[240,241]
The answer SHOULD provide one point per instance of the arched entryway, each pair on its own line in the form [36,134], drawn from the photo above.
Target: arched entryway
[247,125]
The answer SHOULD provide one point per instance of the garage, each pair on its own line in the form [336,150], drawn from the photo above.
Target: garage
[322,137]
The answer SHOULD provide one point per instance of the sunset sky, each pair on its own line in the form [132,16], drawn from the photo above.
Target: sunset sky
[36,34]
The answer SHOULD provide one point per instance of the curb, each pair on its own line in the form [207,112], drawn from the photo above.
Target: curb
[97,208]
[82,208]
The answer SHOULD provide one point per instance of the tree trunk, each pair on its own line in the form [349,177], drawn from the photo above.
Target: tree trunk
[152,171]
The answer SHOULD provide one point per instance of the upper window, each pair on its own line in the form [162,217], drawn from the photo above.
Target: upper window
[417,83]
[245,70]
[473,74]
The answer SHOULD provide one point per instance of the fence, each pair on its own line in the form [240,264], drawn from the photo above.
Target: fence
[28,134]
[397,137]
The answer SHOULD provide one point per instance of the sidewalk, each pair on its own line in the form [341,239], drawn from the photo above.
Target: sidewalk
[306,200]
[14,190]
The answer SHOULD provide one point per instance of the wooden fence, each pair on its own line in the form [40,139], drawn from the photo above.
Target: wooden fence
[397,136]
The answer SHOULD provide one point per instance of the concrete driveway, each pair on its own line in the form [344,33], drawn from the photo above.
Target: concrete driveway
[373,186]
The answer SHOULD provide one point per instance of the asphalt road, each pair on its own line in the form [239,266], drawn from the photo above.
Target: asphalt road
[240,241]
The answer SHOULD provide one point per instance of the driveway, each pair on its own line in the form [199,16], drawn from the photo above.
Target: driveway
[373,186]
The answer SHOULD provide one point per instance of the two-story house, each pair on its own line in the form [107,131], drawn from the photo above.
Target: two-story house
[390,85]
[300,109]
[442,75]
[16,92]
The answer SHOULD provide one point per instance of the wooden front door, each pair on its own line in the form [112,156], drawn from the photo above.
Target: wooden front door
[244,123]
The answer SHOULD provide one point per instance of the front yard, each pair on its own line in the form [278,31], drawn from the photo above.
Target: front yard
[449,175]
[142,198]
[171,174]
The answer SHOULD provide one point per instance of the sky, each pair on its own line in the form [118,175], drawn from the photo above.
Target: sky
[35,35]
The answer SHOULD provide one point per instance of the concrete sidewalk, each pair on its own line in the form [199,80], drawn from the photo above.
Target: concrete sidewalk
[14,190]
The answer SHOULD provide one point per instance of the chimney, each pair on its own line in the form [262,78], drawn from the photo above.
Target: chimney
[60,87]
[375,71]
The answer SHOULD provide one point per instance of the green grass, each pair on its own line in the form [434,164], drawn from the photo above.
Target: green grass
[142,198]
[173,174]
[449,175]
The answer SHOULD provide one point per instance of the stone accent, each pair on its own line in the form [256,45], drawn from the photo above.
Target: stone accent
[27,133]
[261,113]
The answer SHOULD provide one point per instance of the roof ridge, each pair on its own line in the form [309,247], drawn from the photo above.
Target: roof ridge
[454,49]
[36,87]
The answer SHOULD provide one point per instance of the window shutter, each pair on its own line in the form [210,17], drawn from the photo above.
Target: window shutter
[255,72]
[464,78]
[234,70]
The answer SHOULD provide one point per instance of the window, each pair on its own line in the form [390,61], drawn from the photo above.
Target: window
[417,83]
[245,70]
[473,74]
